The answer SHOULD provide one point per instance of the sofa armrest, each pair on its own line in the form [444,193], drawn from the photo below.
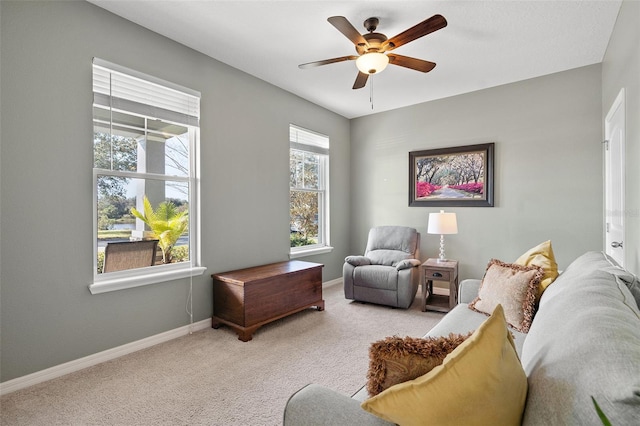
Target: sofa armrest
[468,290]
[315,405]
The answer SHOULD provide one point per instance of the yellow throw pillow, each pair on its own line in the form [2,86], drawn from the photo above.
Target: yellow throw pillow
[542,256]
[480,383]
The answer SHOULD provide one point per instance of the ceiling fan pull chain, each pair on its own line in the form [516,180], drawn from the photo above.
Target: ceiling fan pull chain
[371,92]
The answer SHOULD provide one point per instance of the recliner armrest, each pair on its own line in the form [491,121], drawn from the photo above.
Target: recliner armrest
[358,260]
[407,263]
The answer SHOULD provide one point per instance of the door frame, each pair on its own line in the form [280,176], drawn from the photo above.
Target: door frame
[615,212]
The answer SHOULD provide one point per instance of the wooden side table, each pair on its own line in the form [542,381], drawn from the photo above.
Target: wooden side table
[432,270]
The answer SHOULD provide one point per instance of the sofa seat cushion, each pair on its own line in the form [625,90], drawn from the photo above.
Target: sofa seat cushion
[376,276]
[462,320]
[584,342]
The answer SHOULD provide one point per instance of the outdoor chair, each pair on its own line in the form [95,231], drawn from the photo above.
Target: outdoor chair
[129,255]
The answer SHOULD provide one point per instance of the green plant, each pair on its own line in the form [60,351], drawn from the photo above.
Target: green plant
[298,240]
[603,418]
[180,253]
[166,223]
[100,261]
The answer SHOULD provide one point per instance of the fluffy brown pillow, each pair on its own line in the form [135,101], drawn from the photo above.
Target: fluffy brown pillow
[395,359]
[512,286]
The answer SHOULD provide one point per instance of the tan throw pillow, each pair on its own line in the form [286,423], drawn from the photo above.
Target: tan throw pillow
[395,359]
[512,286]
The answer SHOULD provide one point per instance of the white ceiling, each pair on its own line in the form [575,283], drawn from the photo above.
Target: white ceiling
[486,43]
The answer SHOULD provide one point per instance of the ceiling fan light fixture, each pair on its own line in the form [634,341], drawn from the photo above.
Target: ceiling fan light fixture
[372,63]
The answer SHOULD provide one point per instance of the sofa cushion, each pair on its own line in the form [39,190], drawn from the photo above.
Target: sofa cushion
[480,382]
[398,359]
[542,256]
[584,342]
[512,286]
[462,320]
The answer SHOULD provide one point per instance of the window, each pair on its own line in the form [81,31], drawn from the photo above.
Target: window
[308,192]
[145,171]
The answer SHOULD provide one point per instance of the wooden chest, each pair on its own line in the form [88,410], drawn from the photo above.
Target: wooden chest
[247,299]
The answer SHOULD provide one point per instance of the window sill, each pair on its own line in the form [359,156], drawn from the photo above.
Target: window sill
[310,252]
[124,282]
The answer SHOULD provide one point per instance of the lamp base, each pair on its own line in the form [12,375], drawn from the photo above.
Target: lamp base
[442,258]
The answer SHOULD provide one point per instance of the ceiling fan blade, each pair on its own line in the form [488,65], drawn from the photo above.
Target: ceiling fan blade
[425,27]
[344,26]
[327,61]
[413,63]
[361,80]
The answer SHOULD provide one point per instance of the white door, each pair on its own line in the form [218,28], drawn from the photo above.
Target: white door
[614,127]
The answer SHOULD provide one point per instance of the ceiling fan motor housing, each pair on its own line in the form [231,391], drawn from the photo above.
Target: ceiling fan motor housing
[375,40]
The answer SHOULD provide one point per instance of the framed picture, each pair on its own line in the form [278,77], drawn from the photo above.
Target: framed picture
[452,177]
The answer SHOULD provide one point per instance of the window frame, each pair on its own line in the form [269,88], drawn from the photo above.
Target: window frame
[324,246]
[111,281]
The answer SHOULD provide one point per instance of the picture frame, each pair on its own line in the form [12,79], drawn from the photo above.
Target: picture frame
[460,176]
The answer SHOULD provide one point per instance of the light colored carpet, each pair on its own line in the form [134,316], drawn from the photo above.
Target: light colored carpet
[212,378]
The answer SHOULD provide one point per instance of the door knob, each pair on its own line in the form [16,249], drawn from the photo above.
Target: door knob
[616,244]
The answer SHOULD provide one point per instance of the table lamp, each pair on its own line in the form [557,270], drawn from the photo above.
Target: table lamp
[442,223]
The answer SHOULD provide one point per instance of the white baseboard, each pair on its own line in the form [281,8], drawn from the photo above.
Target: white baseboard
[88,361]
[91,360]
[332,282]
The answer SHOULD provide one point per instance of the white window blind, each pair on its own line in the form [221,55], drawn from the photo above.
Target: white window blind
[123,89]
[306,140]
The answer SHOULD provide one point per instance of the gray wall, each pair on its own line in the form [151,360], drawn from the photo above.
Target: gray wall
[548,168]
[548,173]
[621,69]
[48,315]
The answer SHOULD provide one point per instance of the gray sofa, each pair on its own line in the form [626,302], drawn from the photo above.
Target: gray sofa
[584,342]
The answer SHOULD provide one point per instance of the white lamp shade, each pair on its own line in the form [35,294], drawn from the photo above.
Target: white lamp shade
[372,63]
[442,223]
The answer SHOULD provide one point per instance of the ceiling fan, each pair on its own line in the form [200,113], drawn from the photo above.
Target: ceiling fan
[372,48]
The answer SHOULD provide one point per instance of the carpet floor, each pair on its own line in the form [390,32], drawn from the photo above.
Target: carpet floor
[212,378]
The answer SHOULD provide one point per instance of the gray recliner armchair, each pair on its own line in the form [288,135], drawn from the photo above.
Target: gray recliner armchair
[388,273]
